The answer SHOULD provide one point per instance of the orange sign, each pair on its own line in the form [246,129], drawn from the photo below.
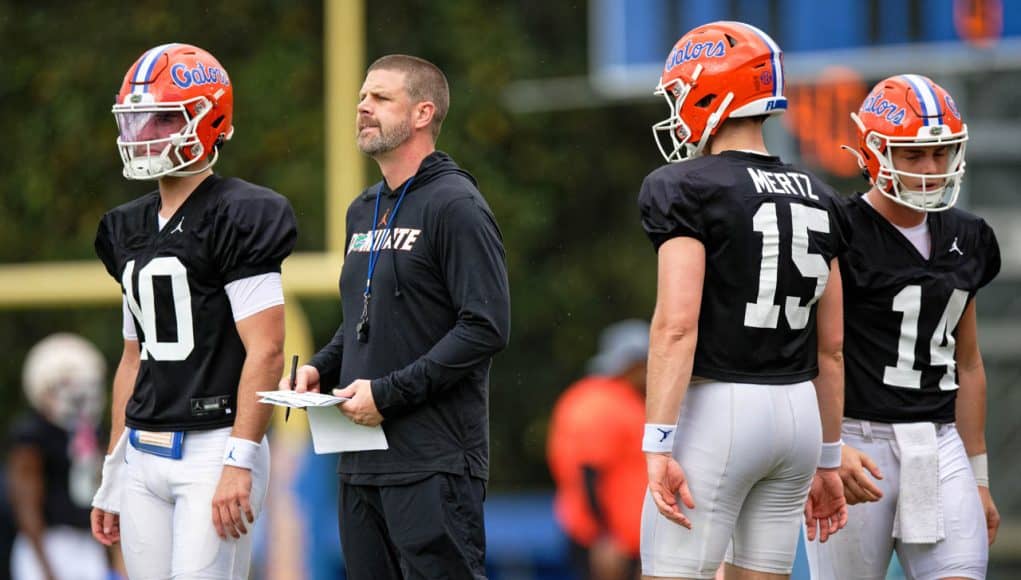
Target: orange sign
[819,117]
[979,22]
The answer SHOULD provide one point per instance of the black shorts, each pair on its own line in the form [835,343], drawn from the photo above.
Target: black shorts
[432,528]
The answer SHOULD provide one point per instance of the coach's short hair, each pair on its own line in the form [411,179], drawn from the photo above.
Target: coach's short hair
[424,81]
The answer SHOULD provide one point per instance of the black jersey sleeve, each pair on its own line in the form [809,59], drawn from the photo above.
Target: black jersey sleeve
[327,361]
[104,246]
[253,235]
[25,432]
[992,249]
[669,209]
[469,250]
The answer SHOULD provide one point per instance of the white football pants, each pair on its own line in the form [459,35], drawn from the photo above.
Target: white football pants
[862,550]
[749,452]
[166,512]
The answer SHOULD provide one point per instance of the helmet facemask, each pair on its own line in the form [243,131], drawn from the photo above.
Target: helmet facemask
[938,191]
[166,154]
[676,93]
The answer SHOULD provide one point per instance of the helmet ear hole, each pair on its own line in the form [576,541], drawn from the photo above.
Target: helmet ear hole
[705,101]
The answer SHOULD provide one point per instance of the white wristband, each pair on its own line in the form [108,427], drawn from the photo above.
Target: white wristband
[829,456]
[240,452]
[658,438]
[108,496]
[980,467]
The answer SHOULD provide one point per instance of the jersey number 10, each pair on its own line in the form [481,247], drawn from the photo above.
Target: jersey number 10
[764,313]
[145,309]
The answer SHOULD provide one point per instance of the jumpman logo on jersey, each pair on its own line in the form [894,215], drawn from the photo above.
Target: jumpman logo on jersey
[230,455]
[955,248]
[178,228]
[664,433]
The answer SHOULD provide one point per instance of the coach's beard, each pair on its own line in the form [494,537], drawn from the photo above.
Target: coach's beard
[384,141]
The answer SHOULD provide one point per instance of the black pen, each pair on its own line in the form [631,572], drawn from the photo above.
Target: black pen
[294,376]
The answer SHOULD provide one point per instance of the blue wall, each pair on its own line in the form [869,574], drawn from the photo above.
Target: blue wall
[640,32]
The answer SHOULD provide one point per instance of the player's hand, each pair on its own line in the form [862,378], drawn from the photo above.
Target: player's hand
[306,379]
[361,409]
[666,483]
[231,505]
[858,487]
[826,508]
[992,514]
[106,526]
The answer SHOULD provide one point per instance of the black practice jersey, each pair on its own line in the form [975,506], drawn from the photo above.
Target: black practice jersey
[174,278]
[769,239]
[58,452]
[901,311]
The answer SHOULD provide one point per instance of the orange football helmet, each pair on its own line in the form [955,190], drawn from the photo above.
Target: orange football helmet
[717,71]
[911,111]
[174,109]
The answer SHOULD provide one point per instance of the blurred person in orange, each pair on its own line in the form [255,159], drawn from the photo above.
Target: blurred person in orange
[595,456]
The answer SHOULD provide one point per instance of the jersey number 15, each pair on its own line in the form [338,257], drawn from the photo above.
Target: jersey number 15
[764,313]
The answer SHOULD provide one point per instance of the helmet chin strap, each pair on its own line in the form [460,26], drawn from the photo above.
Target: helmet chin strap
[857,155]
[711,123]
[861,161]
[211,161]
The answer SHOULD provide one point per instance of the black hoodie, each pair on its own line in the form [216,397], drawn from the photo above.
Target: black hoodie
[440,310]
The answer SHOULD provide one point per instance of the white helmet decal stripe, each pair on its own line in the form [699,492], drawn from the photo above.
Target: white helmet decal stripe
[145,66]
[774,58]
[932,112]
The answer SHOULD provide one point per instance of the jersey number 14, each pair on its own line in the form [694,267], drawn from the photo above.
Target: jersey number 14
[941,344]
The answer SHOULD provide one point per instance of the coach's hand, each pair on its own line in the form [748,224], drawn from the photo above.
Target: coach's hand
[361,409]
[306,379]
[231,505]
[106,526]
[666,483]
[858,487]
[992,514]
[826,508]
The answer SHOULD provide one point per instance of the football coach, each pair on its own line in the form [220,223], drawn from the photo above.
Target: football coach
[425,307]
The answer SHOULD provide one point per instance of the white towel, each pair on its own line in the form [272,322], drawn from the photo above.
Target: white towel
[919,517]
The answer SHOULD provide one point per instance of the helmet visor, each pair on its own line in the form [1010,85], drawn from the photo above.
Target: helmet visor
[150,125]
